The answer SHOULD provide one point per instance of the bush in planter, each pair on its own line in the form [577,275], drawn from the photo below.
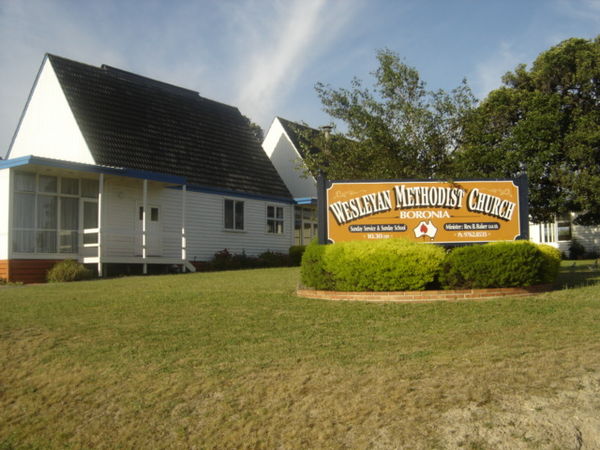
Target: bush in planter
[498,264]
[383,265]
[551,265]
[312,269]
[68,270]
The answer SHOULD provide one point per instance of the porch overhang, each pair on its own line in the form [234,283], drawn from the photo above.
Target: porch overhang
[33,161]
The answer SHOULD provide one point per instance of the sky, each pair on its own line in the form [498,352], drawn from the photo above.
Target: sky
[265,56]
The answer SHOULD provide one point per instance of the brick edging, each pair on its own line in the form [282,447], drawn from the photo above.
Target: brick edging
[425,296]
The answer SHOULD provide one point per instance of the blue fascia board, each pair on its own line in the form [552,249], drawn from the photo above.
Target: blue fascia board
[305,201]
[229,193]
[131,173]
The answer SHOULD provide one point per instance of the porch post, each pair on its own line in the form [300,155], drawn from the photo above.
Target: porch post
[183,236]
[100,195]
[144,225]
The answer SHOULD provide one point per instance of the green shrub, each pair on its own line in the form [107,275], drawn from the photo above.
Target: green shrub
[576,250]
[68,270]
[273,259]
[312,270]
[384,265]
[296,252]
[498,264]
[551,265]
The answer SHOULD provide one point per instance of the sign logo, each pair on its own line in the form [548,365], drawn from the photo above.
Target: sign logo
[426,211]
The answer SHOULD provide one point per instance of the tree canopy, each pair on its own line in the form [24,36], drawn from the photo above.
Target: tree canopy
[546,120]
[397,129]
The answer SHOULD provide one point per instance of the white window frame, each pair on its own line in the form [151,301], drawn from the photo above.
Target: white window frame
[234,203]
[276,220]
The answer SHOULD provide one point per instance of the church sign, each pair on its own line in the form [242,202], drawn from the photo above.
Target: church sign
[425,211]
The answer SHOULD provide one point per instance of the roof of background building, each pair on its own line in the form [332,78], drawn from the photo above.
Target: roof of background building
[300,135]
[131,121]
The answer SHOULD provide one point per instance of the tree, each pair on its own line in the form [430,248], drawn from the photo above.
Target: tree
[545,120]
[397,129]
[255,129]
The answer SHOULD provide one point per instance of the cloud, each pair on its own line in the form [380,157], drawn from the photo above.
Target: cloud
[488,74]
[585,10]
[294,36]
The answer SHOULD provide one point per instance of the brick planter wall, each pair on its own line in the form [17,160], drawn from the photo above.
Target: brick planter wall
[424,296]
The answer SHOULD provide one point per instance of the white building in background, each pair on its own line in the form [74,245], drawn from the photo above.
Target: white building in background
[109,167]
[283,145]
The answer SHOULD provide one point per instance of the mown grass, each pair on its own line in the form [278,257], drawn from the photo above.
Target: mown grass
[235,360]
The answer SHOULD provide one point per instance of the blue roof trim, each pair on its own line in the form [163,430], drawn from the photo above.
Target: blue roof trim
[131,173]
[208,190]
[305,201]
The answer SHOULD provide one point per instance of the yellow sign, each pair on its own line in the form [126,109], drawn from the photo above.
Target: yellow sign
[424,211]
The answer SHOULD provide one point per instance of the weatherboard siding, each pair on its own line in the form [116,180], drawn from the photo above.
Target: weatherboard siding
[48,127]
[5,193]
[206,234]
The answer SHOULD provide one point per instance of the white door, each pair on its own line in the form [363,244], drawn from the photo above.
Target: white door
[153,229]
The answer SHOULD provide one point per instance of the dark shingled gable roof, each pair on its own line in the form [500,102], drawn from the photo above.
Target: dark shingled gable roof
[131,121]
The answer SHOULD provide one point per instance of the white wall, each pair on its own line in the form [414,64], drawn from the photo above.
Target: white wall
[4,212]
[288,162]
[204,222]
[48,127]
[206,234]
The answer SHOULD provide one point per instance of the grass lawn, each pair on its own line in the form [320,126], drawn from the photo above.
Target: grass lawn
[235,360]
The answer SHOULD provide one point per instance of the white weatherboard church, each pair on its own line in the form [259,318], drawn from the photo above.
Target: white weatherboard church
[108,167]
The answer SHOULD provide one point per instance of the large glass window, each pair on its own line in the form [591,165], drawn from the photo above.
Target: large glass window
[233,215]
[46,213]
[275,219]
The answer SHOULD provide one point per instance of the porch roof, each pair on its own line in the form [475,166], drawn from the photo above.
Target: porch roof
[120,171]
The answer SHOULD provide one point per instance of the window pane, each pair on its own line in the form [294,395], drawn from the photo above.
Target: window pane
[90,238]
[141,213]
[154,214]
[279,228]
[68,242]
[24,181]
[69,213]
[90,215]
[270,211]
[46,242]
[89,188]
[239,215]
[46,212]
[270,226]
[24,211]
[24,241]
[279,213]
[69,186]
[47,184]
[229,214]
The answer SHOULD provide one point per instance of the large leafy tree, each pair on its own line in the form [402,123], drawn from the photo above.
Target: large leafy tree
[396,129]
[545,120]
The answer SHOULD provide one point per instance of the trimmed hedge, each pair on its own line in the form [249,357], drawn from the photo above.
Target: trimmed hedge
[384,265]
[395,264]
[499,264]
[296,252]
[68,270]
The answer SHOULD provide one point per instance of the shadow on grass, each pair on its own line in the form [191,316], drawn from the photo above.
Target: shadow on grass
[578,273]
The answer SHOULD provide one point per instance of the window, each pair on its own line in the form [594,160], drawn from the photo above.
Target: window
[153,214]
[234,215]
[45,214]
[275,219]
[563,227]
[305,224]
